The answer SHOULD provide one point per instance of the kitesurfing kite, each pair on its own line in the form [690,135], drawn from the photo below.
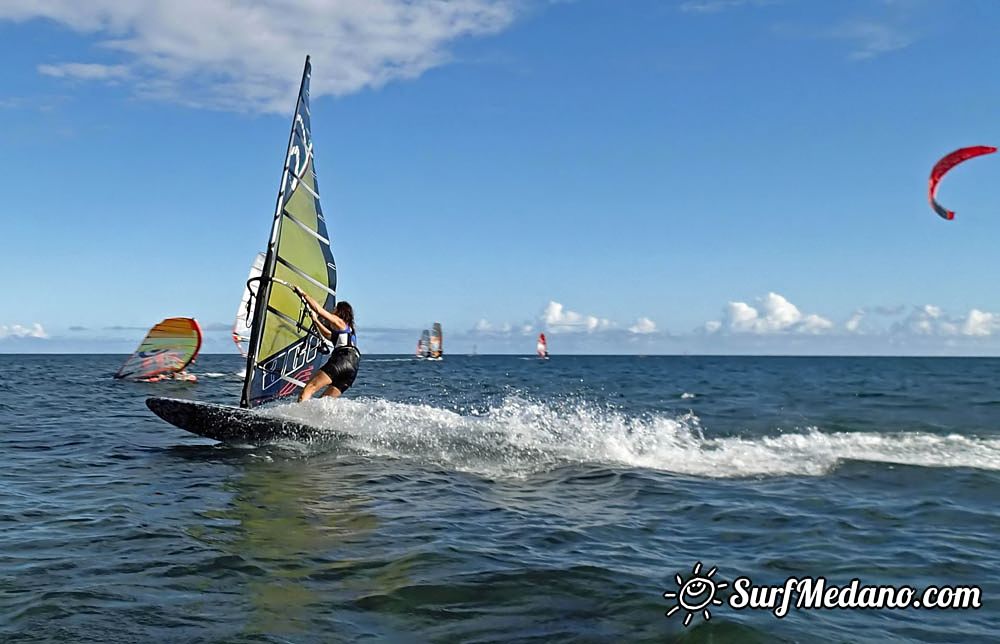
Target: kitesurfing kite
[942,167]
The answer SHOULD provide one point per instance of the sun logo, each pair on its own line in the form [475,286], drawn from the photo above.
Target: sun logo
[696,595]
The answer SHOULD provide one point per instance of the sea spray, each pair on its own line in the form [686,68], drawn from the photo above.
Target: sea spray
[520,437]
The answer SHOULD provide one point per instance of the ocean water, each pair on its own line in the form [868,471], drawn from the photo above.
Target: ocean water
[500,498]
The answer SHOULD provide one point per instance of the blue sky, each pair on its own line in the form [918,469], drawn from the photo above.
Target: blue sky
[711,176]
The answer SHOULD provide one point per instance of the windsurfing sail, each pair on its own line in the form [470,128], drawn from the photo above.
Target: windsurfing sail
[542,348]
[942,167]
[244,314]
[437,341]
[425,344]
[169,347]
[285,349]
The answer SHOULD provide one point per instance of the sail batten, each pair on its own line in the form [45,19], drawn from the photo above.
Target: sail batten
[284,352]
[307,228]
[298,271]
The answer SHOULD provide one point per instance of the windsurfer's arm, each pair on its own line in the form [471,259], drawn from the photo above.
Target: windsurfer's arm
[316,310]
[325,332]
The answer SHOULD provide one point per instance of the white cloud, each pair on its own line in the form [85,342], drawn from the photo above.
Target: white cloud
[813,323]
[643,326]
[930,320]
[233,54]
[980,323]
[558,319]
[866,320]
[18,331]
[871,39]
[715,6]
[772,314]
[484,326]
[85,71]
[853,324]
[925,320]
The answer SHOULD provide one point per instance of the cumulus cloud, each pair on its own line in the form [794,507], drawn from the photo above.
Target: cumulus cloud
[643,326]
[980,323]
[926,320]
[872,319]
[558,319]
[772,314]
[19,331]
[930,320]
[232,54]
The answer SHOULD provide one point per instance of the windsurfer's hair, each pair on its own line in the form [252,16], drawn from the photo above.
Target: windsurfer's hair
[345,312]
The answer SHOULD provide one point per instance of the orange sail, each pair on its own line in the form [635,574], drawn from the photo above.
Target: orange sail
[168,348]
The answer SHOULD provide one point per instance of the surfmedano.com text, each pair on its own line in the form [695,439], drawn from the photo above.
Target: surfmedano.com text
[810,593]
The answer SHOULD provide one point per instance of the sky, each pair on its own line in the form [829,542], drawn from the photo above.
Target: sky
[641,176]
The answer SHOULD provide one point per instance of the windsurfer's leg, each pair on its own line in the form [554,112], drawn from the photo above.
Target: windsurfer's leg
[320,380]
[340,369]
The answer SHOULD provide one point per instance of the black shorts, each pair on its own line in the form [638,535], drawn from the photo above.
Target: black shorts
[342,367]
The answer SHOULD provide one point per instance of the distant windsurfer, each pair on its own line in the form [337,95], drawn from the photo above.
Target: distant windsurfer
[339,372]
[179,376]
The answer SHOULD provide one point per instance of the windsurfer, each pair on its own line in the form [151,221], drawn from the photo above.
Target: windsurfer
[339,372]
[181,376]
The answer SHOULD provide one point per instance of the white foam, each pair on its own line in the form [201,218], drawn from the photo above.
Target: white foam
[521,437]
[686,396]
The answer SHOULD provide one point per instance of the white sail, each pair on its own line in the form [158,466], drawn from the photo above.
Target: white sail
[244,314]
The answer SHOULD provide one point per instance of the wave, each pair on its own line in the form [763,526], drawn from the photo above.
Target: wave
[521,437]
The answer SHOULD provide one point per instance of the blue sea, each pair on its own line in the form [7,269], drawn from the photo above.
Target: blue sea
[501,498]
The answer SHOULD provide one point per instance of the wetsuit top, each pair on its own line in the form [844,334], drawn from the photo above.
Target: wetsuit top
[345,339]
